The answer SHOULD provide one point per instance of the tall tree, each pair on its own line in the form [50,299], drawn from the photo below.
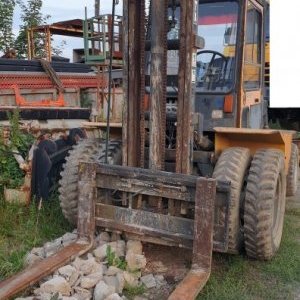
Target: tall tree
[6,24]
[31,16]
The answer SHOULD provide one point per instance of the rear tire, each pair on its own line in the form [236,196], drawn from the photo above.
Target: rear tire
[88,150]
[233,166]
[292,177]
[265,204]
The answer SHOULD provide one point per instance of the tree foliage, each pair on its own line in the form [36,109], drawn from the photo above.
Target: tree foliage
[6,24]
[31,16]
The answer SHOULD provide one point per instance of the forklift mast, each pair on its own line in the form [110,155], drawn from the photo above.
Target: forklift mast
[135,46]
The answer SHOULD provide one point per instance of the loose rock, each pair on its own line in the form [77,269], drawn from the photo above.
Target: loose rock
[56,285]
[100,252]
[91,280]
[31,259]
[117,247]
[112,270]
[160,280]
[121,282]
[88,266]
[112,282]
[46,296]
[105,237]
[114,296]
[67,271]
[82,294]
[135,247]
[69,238]
[115,237]
[38,251]
[130,279]
[120,248]
[135,261]
[149,281]
[102,291]
[53,247]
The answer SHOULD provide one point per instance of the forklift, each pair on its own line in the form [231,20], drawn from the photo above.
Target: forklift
[194,166]
[200,168]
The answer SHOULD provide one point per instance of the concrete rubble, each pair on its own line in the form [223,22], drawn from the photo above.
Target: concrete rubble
[91,276]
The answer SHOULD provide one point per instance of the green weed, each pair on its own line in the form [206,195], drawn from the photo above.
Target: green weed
[131,291]
[114,260]
[10,174]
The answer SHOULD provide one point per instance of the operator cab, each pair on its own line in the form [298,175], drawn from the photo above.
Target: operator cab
[217,24]
[229,77]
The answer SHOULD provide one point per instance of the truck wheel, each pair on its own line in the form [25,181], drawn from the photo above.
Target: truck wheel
[233,166]
[265,204]
[89,150]
[292,177]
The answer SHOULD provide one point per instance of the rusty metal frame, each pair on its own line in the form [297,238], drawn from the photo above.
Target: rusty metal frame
[158,75]
[170,230]
[186,85]
[21,101]
[40,80]
[197,234]
[199,274]
[133,36]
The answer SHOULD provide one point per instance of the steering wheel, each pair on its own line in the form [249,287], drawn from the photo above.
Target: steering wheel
[214,54]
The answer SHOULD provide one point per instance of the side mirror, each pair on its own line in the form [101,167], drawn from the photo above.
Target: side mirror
[199,42]
[227,35]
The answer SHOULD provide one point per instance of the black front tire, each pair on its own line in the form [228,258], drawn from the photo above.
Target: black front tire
[265,204]
[293,172]
[88,150]
[233,166]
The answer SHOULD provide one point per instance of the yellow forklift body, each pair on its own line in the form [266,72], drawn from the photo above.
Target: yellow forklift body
[254,139]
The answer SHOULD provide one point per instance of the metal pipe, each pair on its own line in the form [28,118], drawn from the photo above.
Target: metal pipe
[110,80]
[97,8]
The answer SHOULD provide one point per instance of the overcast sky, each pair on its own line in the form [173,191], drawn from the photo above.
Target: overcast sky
[66,10]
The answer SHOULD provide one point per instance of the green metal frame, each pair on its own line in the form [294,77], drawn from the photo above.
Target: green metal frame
[100,37]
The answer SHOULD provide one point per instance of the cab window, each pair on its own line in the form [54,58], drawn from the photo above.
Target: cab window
[253,55]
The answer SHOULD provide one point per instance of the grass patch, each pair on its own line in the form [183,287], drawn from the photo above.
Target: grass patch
[20,232]
[131,291]
[237,277]
[114,260]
